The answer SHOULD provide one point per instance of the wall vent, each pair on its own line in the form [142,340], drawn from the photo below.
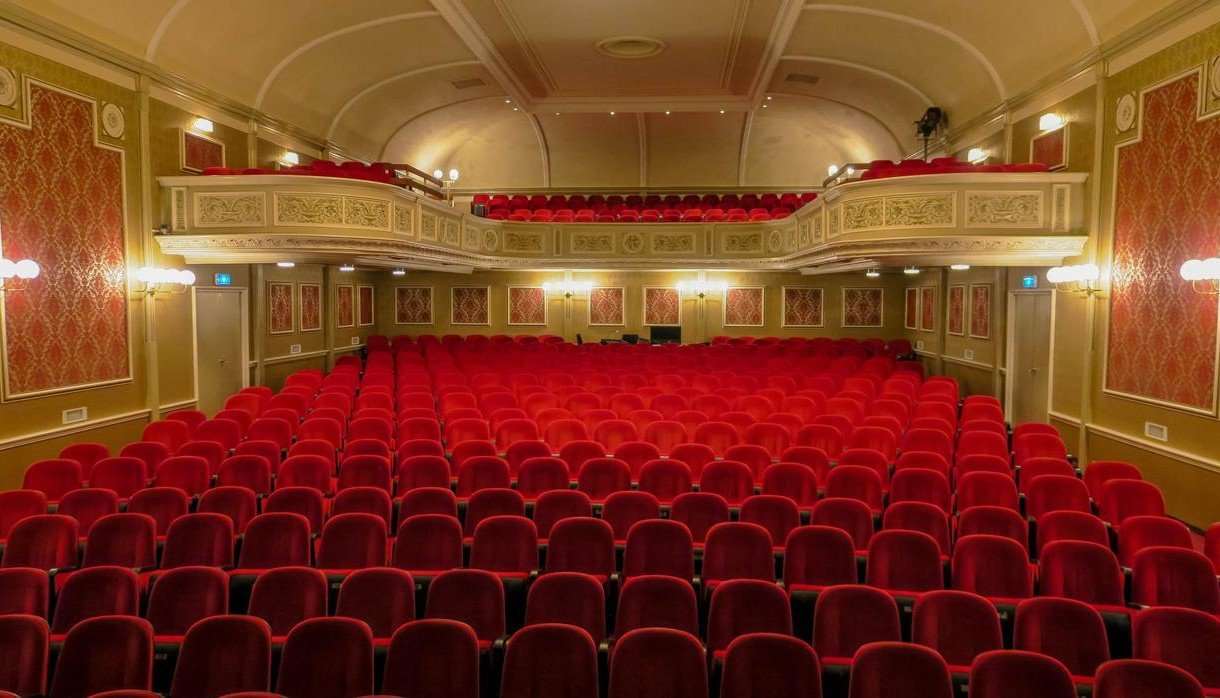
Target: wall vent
[1160,432]
[355,341]
[468,83]
[804,78]
[76,414]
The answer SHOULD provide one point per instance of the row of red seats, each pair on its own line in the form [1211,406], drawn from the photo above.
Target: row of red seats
[615,202]
[324,657]
[376,172]
[882,169]
[648,215]
[831,347]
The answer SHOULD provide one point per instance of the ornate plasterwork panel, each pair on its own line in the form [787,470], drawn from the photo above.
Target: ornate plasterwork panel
[230,209]
[673,243]
[1125,112]
[775,241]
[452,235]
[308,210]
[803,234]
[472,239]
[522,241]
[404,220]
[633,243]
[177,204]
[863,214]
[491,240]
[9,89]
[366,213]
[921,211]
[1004,209]
[818,233]
[1060,208]
[833,226]
[428,226]
[745,242]
[591,242]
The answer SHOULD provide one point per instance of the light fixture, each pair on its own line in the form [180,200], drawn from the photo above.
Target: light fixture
[203,125]
[959,267]
[851,171]
[976,156]
[832,170]
[911,271]
[764,106]
[285,265]
[702,288]
[556,113]
[454,174]
[23,270]
[516,109]
[1203,275]
[347,267]
[399,272]
[290,158]
[161,280]
[667,112]
[567,289]
[1050,121]
[611,113]
[768,98]
[721,111]
[508,101]
[1079,278]
[873,273]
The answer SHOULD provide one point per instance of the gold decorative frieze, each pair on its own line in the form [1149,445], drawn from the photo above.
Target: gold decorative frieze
[522,241]
[1004,209]
[308,209]
[230,209]
[1060,198]
[491,240]
[427,227]
[741,242]
[452,235]
[633,243]
[591,243]
[672,243]
[833,226]
[817,232]
[403,220]
[472,239]
[10,90]
[775,242]
[863,214]
[366,213]
[921,211]
[177,203]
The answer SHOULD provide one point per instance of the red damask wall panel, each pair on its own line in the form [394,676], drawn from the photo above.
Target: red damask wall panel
[863,307]
[311,307]
[1162,335]
[526,305]
[910,316]
[469,306]
[662,306]
[345,306]
[61,204]
[957,310]
[1050,148]
[743,306]
[279,308]
[606,306]
[200,152]
[413,305]
[803,307]
[927,308]
[980,311]
[364,305]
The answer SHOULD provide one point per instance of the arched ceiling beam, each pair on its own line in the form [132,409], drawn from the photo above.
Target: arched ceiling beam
[866,69]
[313,43]
[1086,19]
[956,38]
[154,42]
[351,101]
[544,150]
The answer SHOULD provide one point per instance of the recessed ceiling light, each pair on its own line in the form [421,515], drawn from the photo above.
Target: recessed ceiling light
[872,273]
[285,265]
[556,113]
[399,272]
[611,113]
[959,267]
[721,111]
[516,109]
[764,106]
[911,271]
[508,101]
[347,267]
[768,98]
[667,113]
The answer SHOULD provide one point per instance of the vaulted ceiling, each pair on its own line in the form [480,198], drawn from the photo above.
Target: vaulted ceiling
[519,92]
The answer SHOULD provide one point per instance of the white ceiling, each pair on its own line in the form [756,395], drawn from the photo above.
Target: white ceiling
[428,79]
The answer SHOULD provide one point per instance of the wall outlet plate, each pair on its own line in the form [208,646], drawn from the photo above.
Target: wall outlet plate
[919,345]
[76,414]
[355,341]
[294,349]
[1152,430]
[968,354]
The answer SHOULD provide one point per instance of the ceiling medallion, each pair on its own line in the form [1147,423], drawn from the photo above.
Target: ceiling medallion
[113,121]
[630,47]
[1124,113]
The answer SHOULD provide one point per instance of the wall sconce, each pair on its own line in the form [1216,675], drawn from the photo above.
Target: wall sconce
[453,175]
[203,125]
[977,156]
[24,270]
[165,281]
[1050,121]
[290,158]
[567,289]
[1079,278]
[1203,275]
[702,288]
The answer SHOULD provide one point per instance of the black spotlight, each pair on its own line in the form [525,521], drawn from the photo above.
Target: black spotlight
[932,121]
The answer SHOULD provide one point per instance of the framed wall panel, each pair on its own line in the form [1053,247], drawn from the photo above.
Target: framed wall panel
[744,306]
[662,306]
[910,316]
[469,305]
[310,312]
[863,307]
[955,322]
[365,305]
[413,305]
[527,305]
[280,308]
[803,307]
[927,308]
[345,306]
[980,311]
[607,306]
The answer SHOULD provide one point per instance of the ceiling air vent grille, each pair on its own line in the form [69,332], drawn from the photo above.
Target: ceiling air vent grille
[802,78]
[468,83]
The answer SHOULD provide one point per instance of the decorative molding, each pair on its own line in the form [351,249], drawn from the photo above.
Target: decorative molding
[293,358]
[10,90]
[114,123]
[672,243]
[230,209]
[1061,207]
[962,361]
[580,242]
[1125,111]
[921,211]
[733,242]
[633,243]
[366,213]
[1004,209]
[177,203]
